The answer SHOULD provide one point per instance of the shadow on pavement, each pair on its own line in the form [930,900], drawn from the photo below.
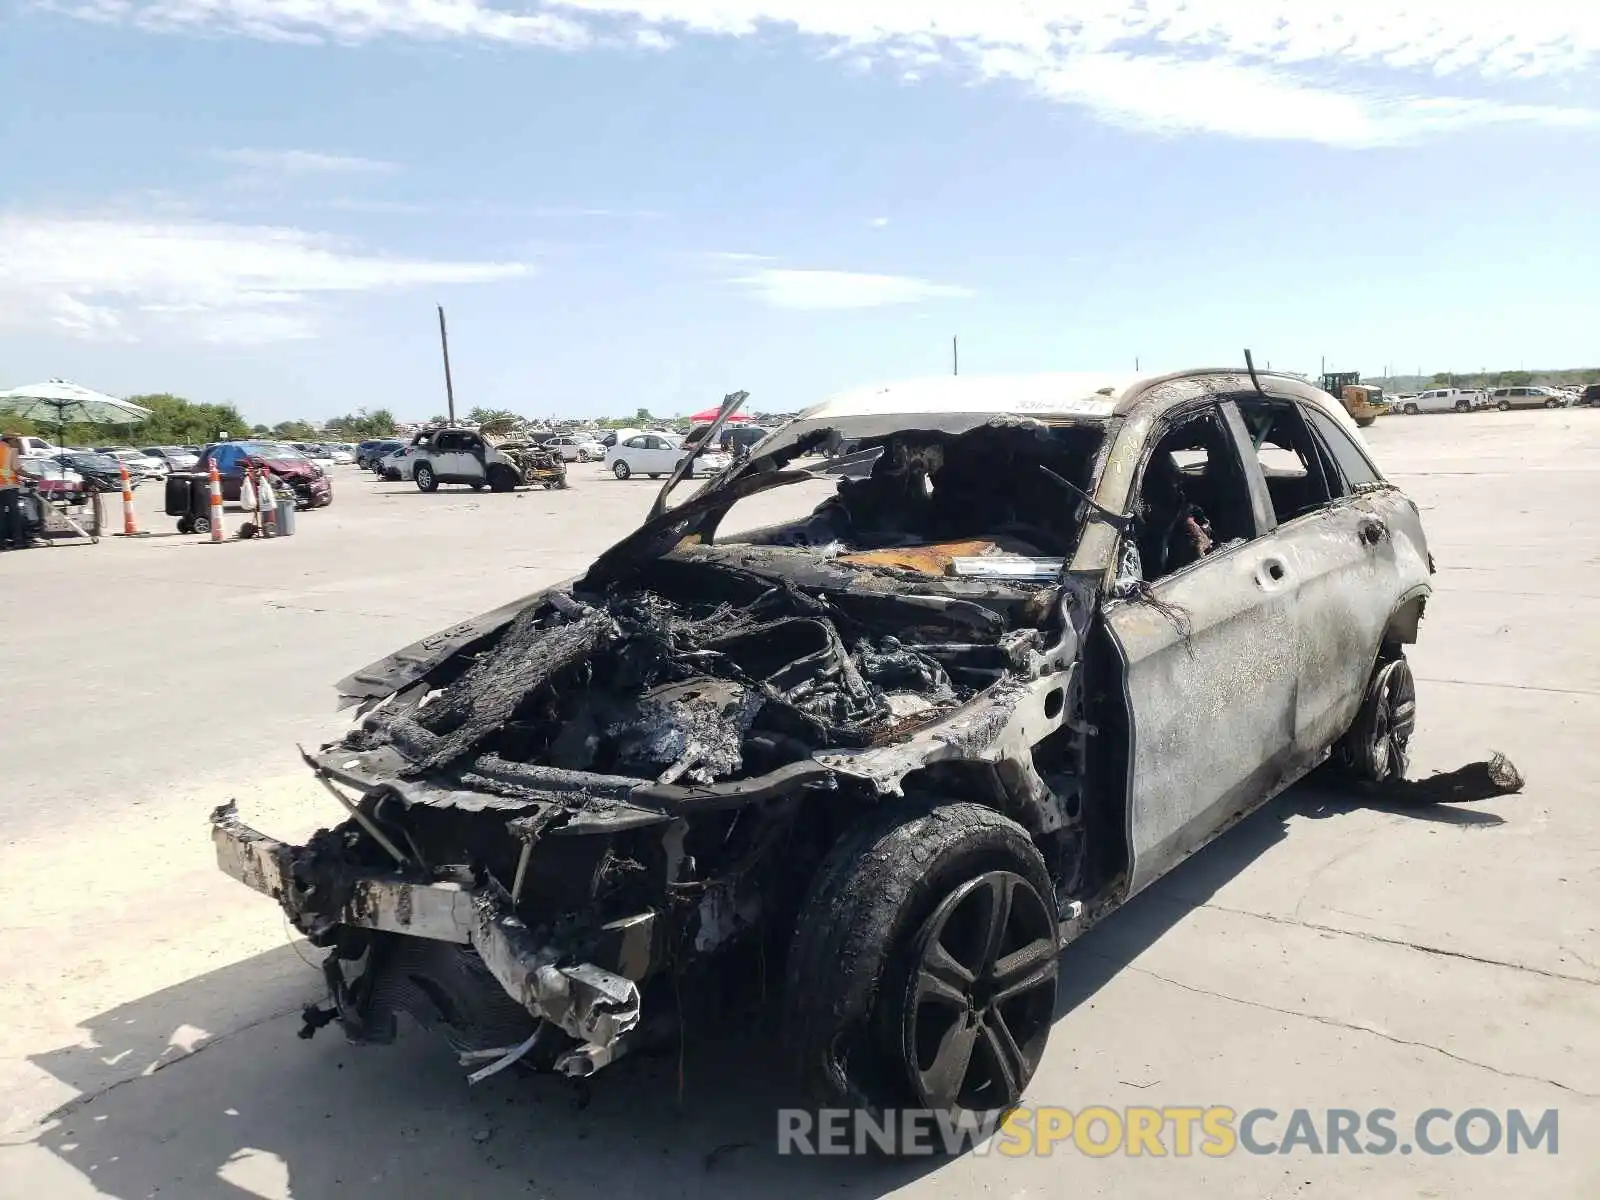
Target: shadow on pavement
[260,1112]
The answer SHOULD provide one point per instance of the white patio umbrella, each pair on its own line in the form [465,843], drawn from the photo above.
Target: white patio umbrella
[63,401]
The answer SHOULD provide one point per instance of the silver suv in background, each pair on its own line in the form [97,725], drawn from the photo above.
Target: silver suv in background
[1527,397]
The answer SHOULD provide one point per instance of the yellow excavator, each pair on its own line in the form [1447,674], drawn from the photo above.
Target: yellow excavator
[1363,401]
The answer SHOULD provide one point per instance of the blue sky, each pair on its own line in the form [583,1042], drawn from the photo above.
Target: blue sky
[627,203]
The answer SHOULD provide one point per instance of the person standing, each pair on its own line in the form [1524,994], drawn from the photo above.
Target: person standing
[10,495]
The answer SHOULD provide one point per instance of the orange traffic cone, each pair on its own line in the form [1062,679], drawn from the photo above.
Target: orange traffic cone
[130,527]
[216,503]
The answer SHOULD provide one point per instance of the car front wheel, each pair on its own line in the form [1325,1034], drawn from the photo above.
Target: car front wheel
[1411,410]
[620,469]
[924,964]
[425,479]
[1504,405]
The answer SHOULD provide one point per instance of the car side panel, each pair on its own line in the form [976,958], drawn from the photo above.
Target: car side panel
[1209,676]
[1351,562]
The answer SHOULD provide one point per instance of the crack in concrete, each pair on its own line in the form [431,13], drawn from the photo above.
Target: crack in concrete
[1405,945]
[1514,687]
[1354,1028]
[34,1128]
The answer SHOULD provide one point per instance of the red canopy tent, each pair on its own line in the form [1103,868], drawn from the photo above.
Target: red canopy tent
[710,415]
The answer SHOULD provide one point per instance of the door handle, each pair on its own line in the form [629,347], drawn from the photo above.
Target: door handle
[1373,532]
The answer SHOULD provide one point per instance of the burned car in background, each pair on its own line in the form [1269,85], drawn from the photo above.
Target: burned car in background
[1046,638]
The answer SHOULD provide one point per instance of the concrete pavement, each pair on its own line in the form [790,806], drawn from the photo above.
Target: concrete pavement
[1324,954]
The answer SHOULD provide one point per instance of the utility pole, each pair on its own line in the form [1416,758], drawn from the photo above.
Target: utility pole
[955,357]
[449,387]
[1136,364]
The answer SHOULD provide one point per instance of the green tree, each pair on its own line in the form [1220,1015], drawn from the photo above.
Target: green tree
[491,416]
[643,416]
[361,425]
[294,431]
[176,421]
[260,430]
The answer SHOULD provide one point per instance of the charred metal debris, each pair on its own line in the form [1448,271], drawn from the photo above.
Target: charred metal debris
[596,790]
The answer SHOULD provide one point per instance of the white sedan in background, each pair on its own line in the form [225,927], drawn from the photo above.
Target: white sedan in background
[141,464]
[658,454]
[397,465]
[575,449]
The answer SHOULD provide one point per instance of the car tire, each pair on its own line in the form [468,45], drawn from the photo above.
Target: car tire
[1411,410]
[1503,405]
[424,478]
[911,889]
[1377,746]
[620,469]
[1463,406]
[501,479]
[1363,422]
[1552,403]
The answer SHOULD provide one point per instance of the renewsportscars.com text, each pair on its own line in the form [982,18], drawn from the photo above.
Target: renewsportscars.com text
[1177,1131]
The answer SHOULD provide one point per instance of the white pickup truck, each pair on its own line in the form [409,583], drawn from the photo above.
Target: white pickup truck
[32,447]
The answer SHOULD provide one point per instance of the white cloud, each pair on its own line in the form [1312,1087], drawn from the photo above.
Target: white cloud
[1341,72]
[783,288]
[302,162]
[115,277]
[337,20]
[879,222]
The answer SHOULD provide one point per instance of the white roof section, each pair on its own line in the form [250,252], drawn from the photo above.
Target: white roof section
[1073,394]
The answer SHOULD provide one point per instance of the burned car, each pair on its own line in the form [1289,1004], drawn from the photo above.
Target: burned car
[1044,638]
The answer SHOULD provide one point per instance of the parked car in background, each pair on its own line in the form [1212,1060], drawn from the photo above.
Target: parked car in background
[658,454]
[140,464]
[1590,394]
[310,483]
[369,452]
[28,446]
[395,467]
[98,471]
[1526,397]
[575,449]
[342,456]
[176,457]
[316,452]
[1440,400]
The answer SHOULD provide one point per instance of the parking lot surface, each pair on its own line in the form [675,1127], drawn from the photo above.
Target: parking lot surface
[1325,954]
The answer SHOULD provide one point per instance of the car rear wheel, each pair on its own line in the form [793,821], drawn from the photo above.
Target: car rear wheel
[924,963]
[425,479]
[1377,746]
[1411,410]
[1503,405]
[1463,406]
[620,469]
[1552,402]
[501,479]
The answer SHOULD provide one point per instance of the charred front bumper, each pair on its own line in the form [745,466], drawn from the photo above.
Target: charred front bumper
[594,1001]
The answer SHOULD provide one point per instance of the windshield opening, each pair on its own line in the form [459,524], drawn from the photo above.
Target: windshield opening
[993,487]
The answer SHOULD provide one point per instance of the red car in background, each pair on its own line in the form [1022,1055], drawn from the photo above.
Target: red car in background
[310,483]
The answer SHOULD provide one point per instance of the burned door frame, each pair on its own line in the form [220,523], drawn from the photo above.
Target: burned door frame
[1208,659]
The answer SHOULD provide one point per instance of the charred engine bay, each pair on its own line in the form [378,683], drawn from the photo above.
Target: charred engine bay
[758,671]
[704,689]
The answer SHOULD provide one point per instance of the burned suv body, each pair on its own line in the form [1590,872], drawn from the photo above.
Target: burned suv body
[1046,638]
